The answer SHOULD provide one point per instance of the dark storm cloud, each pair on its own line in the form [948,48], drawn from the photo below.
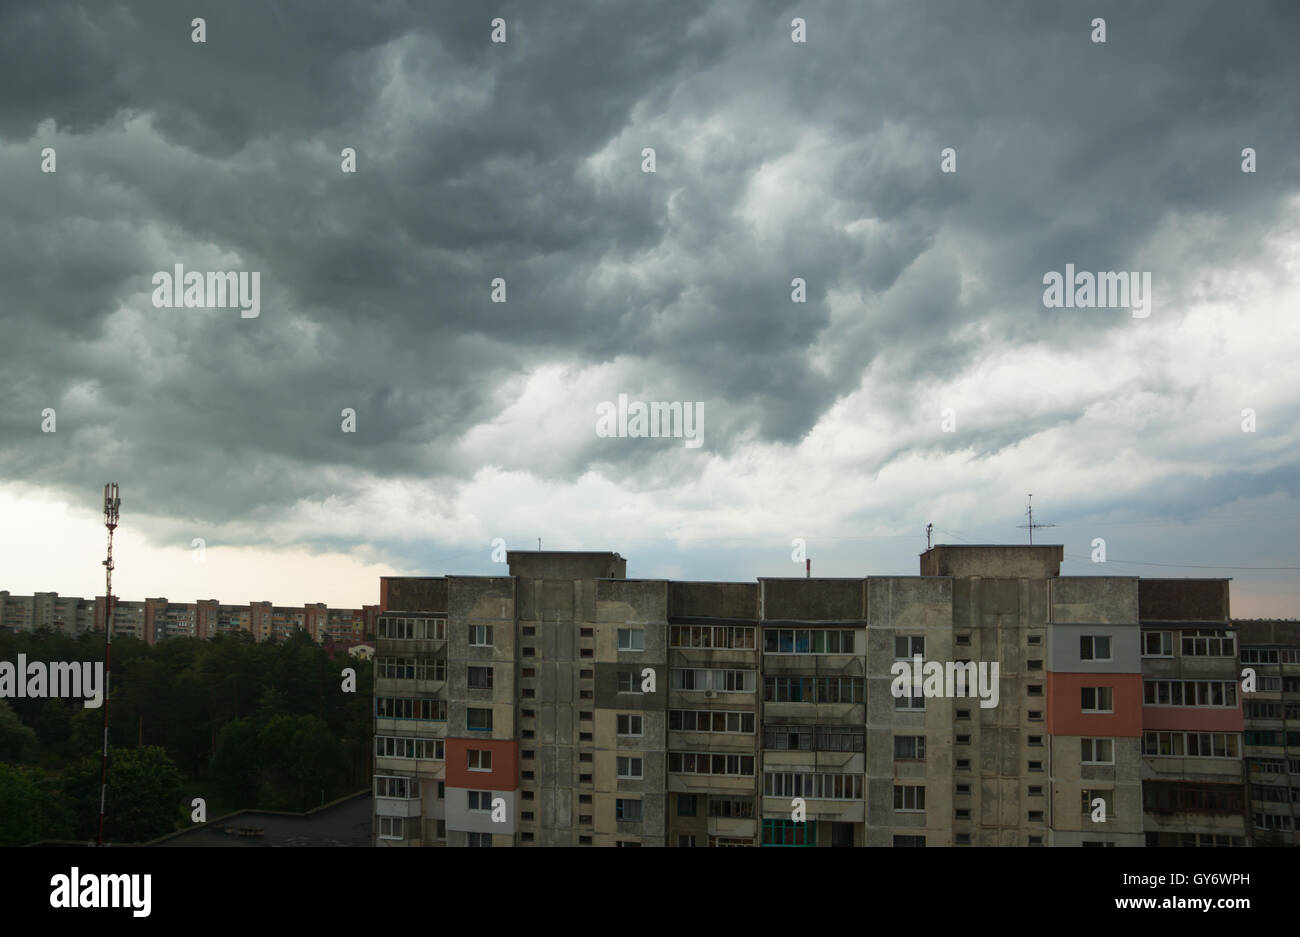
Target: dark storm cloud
[480,161]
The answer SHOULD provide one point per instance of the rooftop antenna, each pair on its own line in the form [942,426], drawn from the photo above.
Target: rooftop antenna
[1031,525]
[929,528]
[112,504]
[539,544]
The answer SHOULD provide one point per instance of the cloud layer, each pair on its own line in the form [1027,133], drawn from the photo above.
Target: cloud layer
[774,160]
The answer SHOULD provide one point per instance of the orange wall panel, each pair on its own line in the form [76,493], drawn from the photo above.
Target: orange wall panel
[504,775]
[1064,715]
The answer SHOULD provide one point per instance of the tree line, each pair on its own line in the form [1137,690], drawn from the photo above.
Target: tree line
[241,723]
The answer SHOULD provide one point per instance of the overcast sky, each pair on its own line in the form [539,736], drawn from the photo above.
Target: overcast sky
[523,160]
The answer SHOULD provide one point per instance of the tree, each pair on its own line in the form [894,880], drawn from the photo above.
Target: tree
[18,743]
[144,795]
[20,799]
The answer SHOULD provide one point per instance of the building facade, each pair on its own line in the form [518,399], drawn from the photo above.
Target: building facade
[564,704]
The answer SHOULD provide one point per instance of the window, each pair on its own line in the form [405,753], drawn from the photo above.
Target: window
[1035,816]
[735,808]
[808,641]
[480,635]
[1095,699]
[1094,647]
[909,840]
[1209,644]
[479,840]
[963,740]
[1097,751]
[720,681]
[694,720]
[813,786]
[685,839]
[1088,795]
[631,639]
[627,810]
[1035,766]
[627,682]
[961,813]
[789,833]
[629,724]
[394,787]
[628,767]
[396,746]
[790,689]
[391,828]
[1207,693]
[686,805]
[909,748]
[1190,744]
[1259,655]
[480,801]
[711,763]
[916,701]
[479,760]
[909,798]
[412,629]
[410,668]
[478,720]
[962,789]
[480,678]
[1034,639]
[908,646]
[1035,790]
[427,710]
[1035,715]
[711,636]
[963,714]
[1157,644]
[963,639]
[962,839]
[1035,740]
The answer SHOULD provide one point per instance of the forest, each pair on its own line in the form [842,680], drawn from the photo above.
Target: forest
[239,723]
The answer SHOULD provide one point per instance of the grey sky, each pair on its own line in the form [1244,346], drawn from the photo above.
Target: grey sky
[775,160]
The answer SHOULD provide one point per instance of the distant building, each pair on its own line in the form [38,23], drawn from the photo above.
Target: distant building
[156,619]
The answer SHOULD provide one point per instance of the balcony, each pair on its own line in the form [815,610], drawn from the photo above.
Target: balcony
[397,806]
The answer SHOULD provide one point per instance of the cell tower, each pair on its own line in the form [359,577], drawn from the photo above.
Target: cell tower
[112,503]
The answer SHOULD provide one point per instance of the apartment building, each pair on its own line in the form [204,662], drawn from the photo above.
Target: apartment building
[565,704]
[1192,717]
[156,619]
[1271,651]
[68,614]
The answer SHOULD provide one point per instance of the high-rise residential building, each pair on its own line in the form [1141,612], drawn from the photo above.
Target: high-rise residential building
[564,704]
[1270,653]
[156,619]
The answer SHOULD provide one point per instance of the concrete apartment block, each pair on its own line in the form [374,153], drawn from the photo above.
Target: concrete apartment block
[780,691]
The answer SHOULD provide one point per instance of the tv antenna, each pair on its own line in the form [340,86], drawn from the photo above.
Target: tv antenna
[1031,525]
[929,528]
